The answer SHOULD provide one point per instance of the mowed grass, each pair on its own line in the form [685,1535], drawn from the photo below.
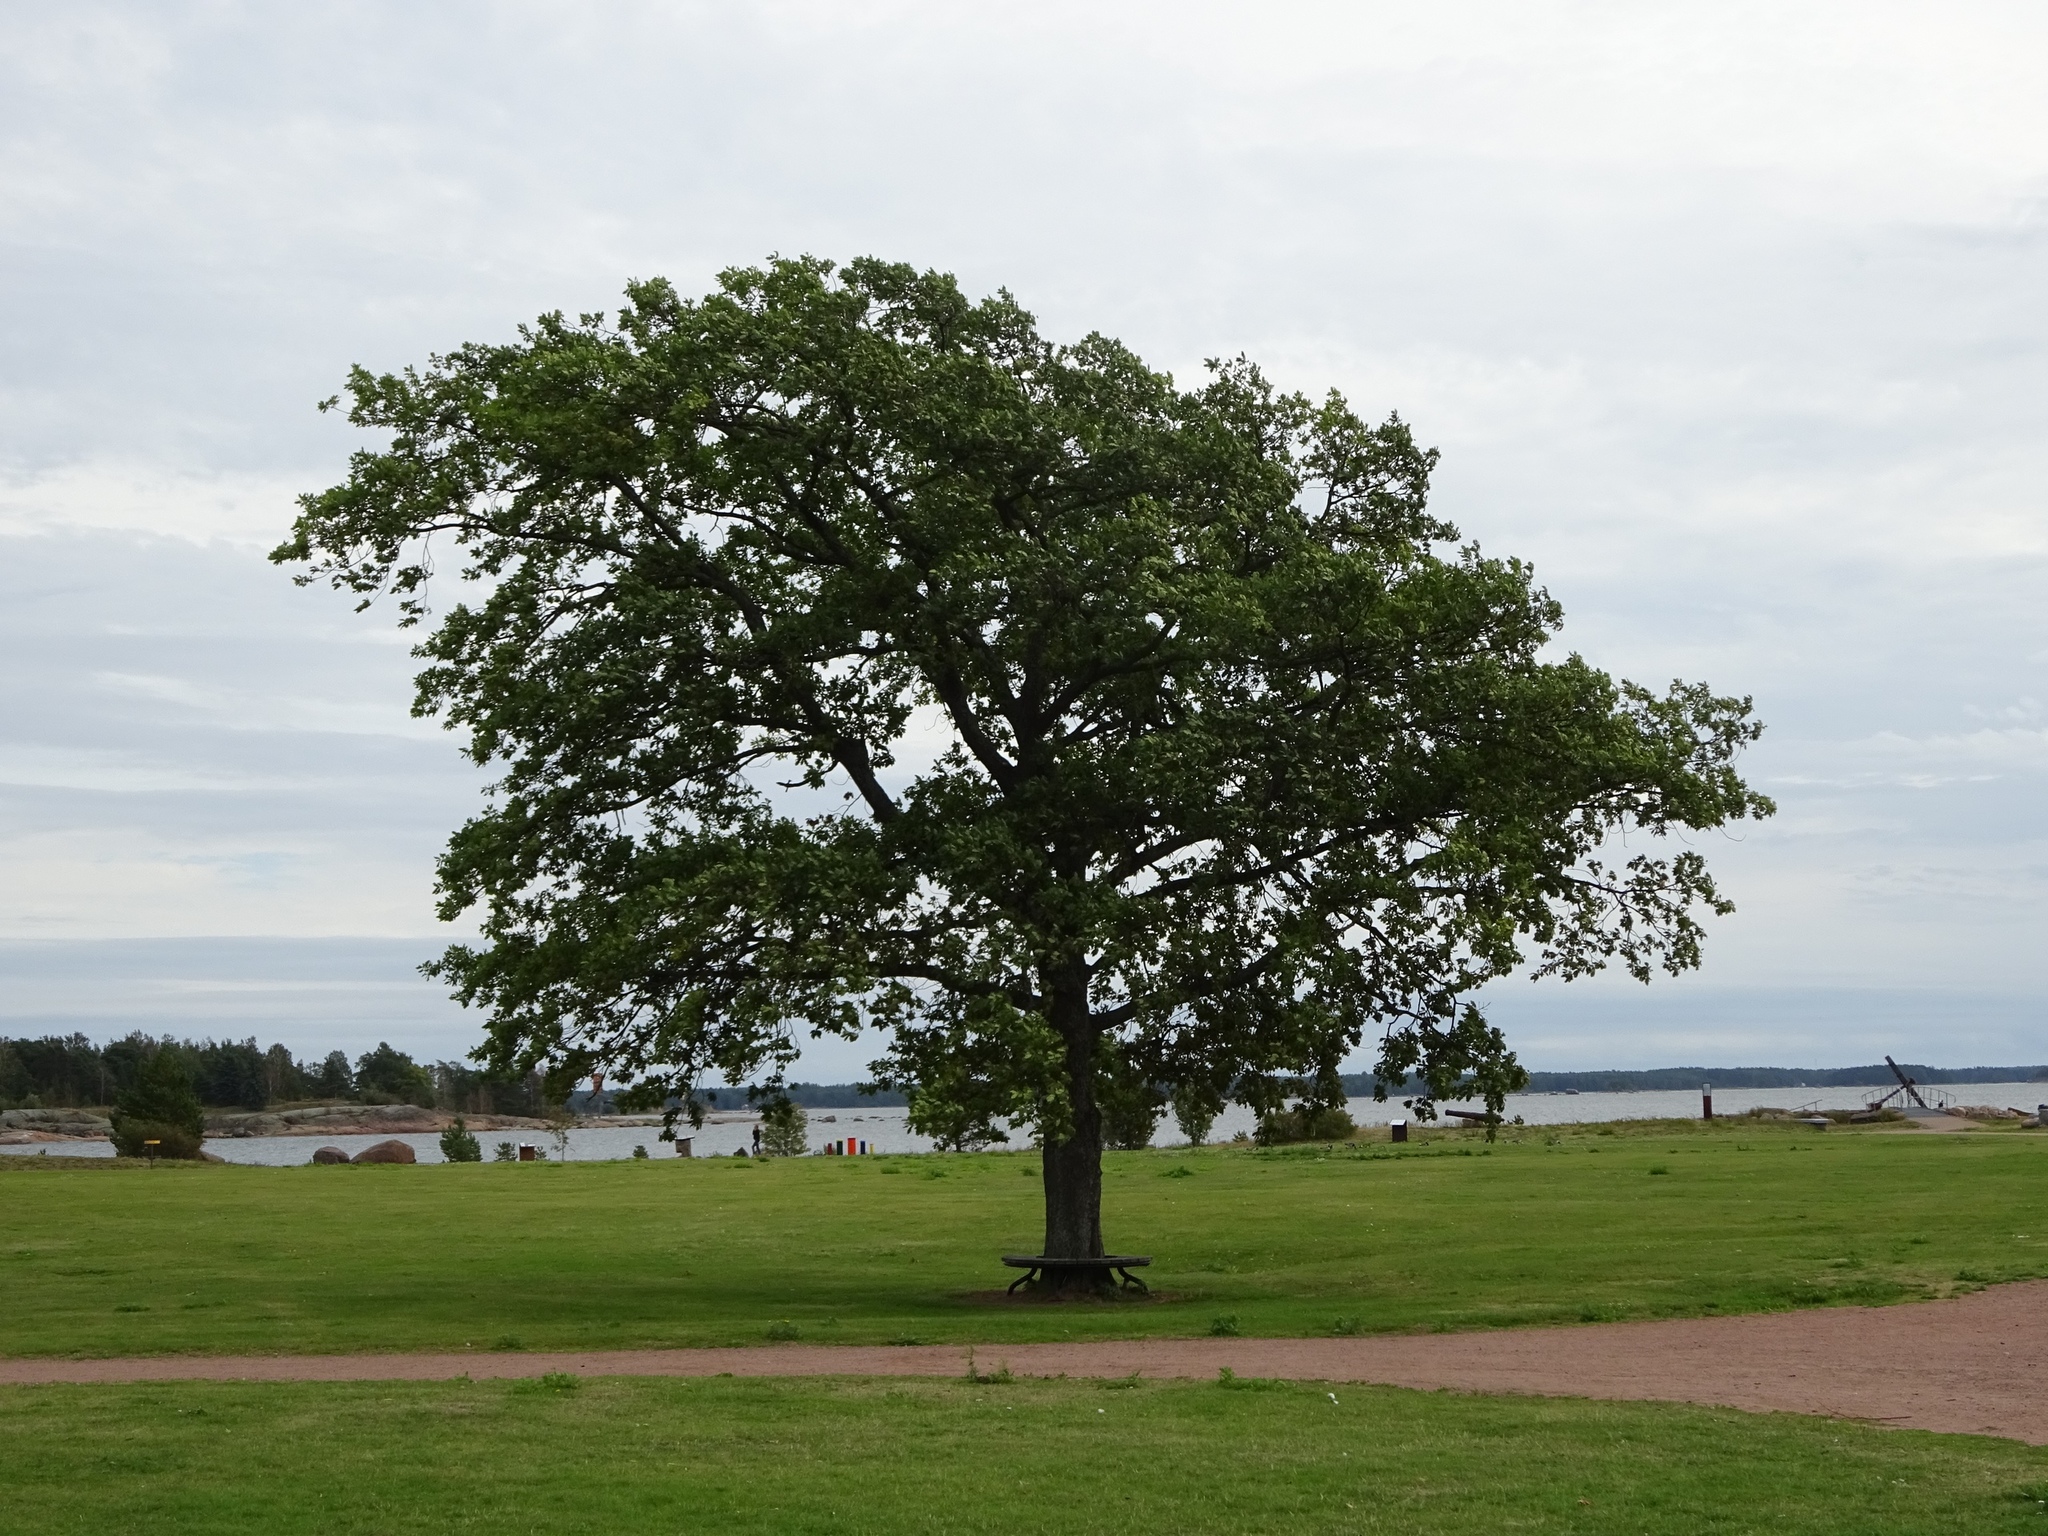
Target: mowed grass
[1546,1226]
[843,1456]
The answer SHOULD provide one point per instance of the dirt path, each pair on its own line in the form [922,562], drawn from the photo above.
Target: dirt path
[1977,1364]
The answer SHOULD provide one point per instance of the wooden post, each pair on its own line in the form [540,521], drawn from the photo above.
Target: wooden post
[1398,1129]
[1706,1101]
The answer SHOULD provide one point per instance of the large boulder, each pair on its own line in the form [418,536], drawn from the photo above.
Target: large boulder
[386,1152]
[330,1155]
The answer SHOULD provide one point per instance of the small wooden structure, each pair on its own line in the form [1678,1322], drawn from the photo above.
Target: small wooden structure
[1036,1264]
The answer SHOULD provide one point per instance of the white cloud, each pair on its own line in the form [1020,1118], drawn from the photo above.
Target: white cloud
[1728,316]
[249,510]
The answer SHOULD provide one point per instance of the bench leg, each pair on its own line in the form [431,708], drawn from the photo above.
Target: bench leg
[1133,1283]
[1026,1278]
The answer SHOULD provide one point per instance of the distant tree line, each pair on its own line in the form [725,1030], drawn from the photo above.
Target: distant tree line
[1358,1085]
[1665,1079]
[70,1072]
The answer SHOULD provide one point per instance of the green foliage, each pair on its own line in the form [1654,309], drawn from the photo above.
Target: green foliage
[1130,1108]
[389,1076]
[334,1078]
[782,1332]
[504,1152]
[639,1153]
[160,1105]
[1305,1122]
[70,1071]
[237,1073]
[132,1138]
[1195,1108]
[785,1130]
[459,1146]
[1246,761]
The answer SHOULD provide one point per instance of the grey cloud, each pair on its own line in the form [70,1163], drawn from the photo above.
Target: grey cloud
[1745,347]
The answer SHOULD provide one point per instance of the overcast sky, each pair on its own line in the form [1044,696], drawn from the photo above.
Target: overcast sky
[1729,317]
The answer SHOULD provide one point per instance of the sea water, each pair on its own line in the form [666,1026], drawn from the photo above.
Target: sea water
[887,1130]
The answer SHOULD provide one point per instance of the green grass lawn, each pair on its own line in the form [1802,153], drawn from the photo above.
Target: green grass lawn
[1061,1457]
[1550,1225]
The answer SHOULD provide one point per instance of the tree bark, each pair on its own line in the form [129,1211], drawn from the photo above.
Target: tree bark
[1073,1174]
[1073,1165]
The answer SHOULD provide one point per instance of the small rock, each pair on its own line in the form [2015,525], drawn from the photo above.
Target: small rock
[386,1152]
[330,1155]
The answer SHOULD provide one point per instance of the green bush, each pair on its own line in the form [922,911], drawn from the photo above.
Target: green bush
[504,1152]
[785,1130]
[1305,1122]
[1131,1108]
[459,1146]
[131,1138]
[160,1106]
[1194,1111]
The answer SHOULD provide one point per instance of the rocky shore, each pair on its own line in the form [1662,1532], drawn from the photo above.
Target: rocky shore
[23,1127]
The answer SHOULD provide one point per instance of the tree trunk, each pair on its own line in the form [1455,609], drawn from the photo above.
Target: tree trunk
[1073,1178]
[1073,1166]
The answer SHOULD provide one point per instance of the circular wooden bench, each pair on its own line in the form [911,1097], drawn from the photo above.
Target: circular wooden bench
[1036,1264]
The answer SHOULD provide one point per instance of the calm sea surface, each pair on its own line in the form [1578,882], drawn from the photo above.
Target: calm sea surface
[885,1130]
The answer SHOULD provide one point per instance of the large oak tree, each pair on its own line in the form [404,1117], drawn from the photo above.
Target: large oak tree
[856,658]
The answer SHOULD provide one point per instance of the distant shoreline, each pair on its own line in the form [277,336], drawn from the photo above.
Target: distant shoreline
[1650,1080]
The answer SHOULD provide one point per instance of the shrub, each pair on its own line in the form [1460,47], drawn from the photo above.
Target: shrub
[131,1136]
[504,1152]
[1131,1108]
[639,1151]
[1305,1122]
[785,1130]
[160,1106]
[459,1146]
[1194,1112]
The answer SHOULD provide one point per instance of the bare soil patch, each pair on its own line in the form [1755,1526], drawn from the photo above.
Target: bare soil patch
[1970,1365]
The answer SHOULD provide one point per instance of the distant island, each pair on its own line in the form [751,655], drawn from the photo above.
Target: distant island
[1647,1080]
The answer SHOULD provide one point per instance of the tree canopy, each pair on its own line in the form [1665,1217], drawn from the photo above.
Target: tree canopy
[854,657]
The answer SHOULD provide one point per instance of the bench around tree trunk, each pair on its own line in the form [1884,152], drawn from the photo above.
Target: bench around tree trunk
[1035,1264]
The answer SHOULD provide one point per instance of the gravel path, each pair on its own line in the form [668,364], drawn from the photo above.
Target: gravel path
[1976,1364]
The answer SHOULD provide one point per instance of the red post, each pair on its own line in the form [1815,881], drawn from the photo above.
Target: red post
[1706,1101]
